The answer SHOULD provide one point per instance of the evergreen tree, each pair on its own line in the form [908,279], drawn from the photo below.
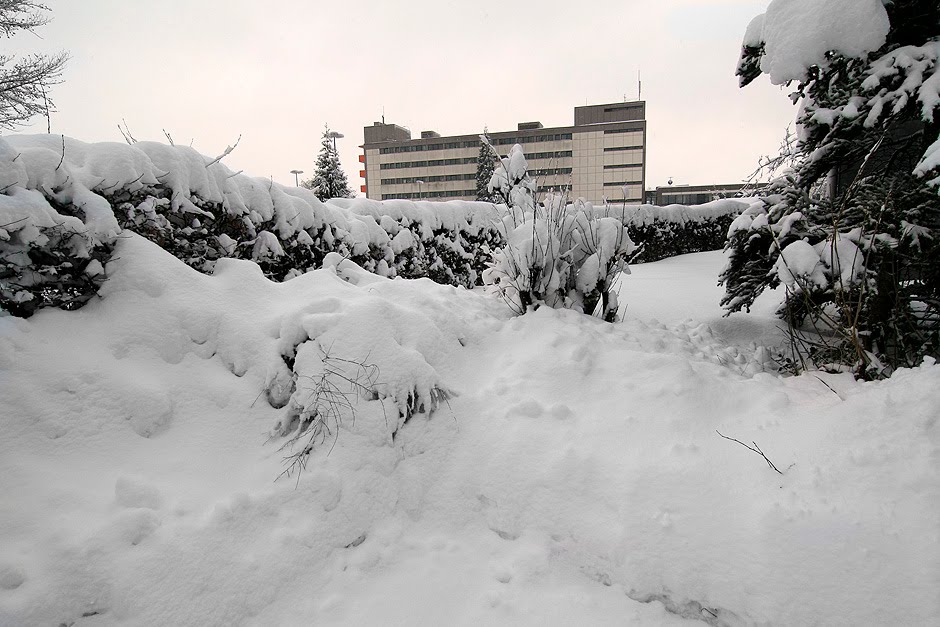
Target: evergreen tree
[486,165]
[329,180]
[862,262]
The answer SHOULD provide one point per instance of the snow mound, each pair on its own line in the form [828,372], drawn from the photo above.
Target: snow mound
[576,479]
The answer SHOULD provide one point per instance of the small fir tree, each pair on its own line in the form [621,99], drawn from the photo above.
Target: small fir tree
[486,165]
[329,180]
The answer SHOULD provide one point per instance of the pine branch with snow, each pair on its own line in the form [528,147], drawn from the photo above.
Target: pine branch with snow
[857,259]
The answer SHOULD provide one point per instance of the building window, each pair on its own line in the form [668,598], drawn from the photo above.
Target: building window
[688,199]
[456,193]
[426,164]
[549,171]
[429,179]
[621,166]
[391,150]
[531,140]
[558,154]
[617,148]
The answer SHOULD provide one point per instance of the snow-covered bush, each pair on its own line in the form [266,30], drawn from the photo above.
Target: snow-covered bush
[63,202]
[556,254]
[861,263]
[55,234]
[364,346]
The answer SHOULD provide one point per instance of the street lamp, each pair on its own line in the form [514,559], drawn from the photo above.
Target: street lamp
[420,183]
[334,136]
[296,174]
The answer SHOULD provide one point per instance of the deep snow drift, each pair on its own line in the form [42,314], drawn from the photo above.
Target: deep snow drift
[574,477]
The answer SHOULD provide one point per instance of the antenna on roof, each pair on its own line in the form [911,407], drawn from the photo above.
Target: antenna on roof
[639,86]
[383,114]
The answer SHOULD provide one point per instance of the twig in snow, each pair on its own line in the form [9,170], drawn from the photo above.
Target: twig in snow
[3,226]
[755,448]
[62,160]
[830,388]
[225,153]
[168,137]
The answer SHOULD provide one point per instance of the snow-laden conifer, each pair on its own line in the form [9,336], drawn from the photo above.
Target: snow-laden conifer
[329,180]
[486,166]
[861,261]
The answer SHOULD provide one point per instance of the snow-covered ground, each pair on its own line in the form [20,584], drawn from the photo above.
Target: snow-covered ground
[575,477]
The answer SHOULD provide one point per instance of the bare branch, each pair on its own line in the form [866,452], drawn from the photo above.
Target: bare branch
[16,15]
[755,449]
[24,86]
[228,150]
[62,160]
[127,133]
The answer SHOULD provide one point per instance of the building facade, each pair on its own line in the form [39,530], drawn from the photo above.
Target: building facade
[601,157]
[691,194]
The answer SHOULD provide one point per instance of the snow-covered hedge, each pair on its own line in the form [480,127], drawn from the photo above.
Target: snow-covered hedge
[63,203]
[679,229]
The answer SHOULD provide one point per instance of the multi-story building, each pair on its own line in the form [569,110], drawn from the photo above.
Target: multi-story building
[691,194]
[601,157]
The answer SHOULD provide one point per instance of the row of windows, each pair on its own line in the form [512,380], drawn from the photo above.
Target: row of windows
[499,141]
[470,193]
[621,183]
[558,154]
[549,171]
[425,147]
[455,193]
[616,148]
[530,140]
[388,150]
[621,166]
[689,199]
[553,188]
[427,164]
[623,130]
[430,179]
[466,177]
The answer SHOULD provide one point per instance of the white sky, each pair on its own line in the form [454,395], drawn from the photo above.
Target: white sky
[275,72]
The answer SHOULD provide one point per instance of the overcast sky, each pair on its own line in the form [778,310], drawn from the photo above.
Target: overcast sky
[275,72]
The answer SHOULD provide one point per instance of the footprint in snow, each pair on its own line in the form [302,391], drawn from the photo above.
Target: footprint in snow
[134,493]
